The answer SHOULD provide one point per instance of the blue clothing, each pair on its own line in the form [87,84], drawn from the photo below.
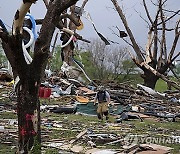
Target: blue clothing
[29,16]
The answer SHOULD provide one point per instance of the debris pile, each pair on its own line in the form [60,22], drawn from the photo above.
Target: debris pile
[68,97]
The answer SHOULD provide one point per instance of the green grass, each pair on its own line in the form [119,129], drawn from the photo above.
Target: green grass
[51,151]
[5,149]
[135,79]
[78,123]
[151,127]
[161,86]
[176,148]
[156,124]
[8,115]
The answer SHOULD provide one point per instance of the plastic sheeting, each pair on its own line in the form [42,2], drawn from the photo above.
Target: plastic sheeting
[90,109]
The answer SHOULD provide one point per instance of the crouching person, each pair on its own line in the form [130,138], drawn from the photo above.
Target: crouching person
[103,99]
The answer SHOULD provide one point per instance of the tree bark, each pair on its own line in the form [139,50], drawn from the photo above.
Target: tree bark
[28,116]
[149,79]
[30,75]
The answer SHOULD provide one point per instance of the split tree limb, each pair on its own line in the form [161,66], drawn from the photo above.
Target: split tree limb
[148,47]
[163,39]
[177,33]
[163,51]
[19,16]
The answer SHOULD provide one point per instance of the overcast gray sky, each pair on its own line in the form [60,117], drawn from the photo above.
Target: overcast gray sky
[102,13]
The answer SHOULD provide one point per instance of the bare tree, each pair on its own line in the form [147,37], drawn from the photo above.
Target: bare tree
[116,57]
[155,59]
[99,52]
[108,60]
[30,75]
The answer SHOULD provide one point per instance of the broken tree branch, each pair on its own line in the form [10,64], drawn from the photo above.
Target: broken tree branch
[148,47]
[19,16]
[177,33]
[171,68]
[135,45]
[176,13]
[83,4]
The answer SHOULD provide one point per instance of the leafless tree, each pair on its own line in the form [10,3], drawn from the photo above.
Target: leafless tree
[107,59]
[155,59]
[99,52]
[116,56]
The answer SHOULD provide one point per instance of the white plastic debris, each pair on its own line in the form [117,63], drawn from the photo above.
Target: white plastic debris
[150,91]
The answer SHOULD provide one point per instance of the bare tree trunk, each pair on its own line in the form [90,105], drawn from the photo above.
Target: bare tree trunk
[68,50]
[28,108]
[149,79]
[28,117]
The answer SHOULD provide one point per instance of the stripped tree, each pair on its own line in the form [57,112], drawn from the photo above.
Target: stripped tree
[30,74]
[155,59]
[67,51]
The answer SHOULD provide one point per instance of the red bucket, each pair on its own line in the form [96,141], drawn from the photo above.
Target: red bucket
[41,91]
[47,92]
